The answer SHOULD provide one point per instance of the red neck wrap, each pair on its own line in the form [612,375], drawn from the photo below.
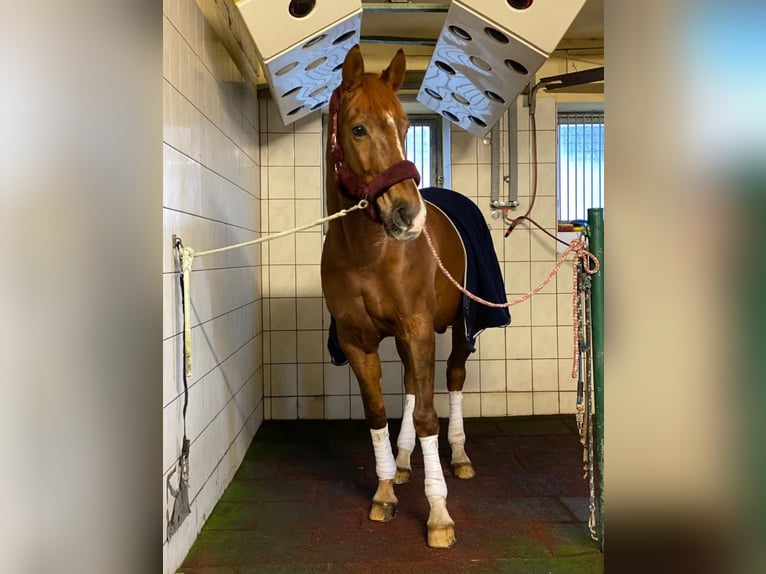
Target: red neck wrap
[354,187]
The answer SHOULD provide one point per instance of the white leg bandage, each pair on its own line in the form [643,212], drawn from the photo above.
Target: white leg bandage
[455,432]
[435,484]
[406,438]
[385,466]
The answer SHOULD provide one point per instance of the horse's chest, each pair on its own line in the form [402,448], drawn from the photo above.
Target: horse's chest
[376,299]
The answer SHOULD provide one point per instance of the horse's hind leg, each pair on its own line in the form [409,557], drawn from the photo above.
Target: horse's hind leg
[461,464]
[405,443]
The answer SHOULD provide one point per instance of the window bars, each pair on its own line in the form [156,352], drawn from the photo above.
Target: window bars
[580,163]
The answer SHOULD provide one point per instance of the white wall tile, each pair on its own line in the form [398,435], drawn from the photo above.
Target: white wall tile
[519,375]
[308,211]
[546,181]
[308,182]
[336,379]
[567,402]
[546,374]
[311,407]
[517,245]
[284,380]
[337,407]
[281,215]
[517,277]
[492,344]
[544,342]
[392,378]
[518,342]
[546,403]
[564,309]
[566,382]
[543,310]
[493,404]
[284,408]
[464,148]
[441,404]
[471,405]
[387,350]
[310,379]
[546,146]
[545,113]
[542,248]
[283,347]
[464,179]
[308,248]
[281,182]
[310,346]
[519,404]
[311,123]
[281,280]
[274,119]
[521,313]
[308,281]
[281,149]
[308,149]
[309,314]
[394,406]
[492,376]
[472,377]
[282,250]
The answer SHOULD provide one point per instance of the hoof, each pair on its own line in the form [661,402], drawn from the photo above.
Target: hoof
[382,511]
[463,470]
[402,475]
[441,537]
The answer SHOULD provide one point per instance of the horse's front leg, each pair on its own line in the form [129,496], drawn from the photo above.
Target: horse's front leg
[366,367]
[418,355]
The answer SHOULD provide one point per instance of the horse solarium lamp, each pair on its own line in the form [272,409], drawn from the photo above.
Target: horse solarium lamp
[487,52]
[302,44]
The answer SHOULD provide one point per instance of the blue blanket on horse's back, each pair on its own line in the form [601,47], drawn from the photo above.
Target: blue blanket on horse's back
[482,275]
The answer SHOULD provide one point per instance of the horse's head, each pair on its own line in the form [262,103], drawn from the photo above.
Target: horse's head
[368,151]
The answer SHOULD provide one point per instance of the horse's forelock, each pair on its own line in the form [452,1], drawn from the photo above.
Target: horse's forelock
[375,95]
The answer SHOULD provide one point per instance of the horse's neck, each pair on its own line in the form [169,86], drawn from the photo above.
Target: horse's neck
[356,239]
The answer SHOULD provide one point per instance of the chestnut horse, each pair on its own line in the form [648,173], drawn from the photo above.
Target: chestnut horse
[380,280]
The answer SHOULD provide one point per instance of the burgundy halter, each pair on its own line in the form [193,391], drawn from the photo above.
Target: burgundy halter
[351,185]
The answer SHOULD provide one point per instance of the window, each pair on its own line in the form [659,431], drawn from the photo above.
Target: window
[423,147]
[580,163]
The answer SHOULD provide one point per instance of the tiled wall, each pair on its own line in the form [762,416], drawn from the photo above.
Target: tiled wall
[525,368]
[211,198]
[521,370]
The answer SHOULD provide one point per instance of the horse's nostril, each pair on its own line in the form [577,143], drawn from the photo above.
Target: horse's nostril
[401,218]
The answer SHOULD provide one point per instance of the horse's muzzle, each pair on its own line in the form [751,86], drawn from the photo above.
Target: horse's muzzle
[405,220]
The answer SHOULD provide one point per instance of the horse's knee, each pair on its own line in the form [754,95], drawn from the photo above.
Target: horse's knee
[426,421]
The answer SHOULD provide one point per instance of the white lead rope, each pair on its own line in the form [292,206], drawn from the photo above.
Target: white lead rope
[187,255]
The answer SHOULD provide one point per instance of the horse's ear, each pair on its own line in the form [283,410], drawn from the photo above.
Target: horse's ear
[353,68]
[394,74]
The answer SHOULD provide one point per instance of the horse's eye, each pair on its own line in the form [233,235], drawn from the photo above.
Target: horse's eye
[359,131]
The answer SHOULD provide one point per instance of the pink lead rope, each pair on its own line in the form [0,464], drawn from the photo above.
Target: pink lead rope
[577,246]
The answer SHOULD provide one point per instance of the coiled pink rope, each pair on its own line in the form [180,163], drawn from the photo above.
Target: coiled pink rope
[591,266]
